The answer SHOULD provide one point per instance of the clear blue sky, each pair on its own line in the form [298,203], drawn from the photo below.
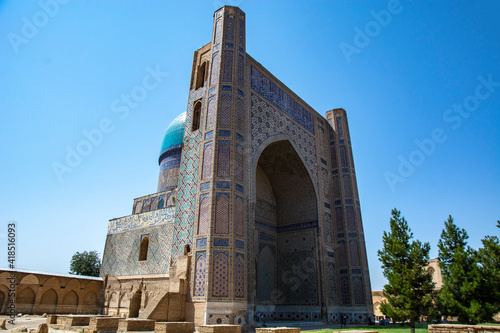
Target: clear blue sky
[398,84]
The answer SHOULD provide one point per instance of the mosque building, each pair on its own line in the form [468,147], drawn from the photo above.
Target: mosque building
[256,213]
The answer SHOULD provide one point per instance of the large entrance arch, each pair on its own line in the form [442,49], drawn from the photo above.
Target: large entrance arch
[286,221]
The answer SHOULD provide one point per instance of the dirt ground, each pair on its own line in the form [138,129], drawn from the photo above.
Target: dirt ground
[30,321]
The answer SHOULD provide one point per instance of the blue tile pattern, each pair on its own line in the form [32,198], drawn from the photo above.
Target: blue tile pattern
[280,99]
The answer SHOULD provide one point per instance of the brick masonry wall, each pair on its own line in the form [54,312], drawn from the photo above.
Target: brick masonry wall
[445,328]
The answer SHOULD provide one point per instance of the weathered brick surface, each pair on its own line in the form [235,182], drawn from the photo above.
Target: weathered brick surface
[446,328]
[174,327]
[104,324]
[73,320]
[219,329]
[277,330]
[134,324]
[42,328]
[51,319]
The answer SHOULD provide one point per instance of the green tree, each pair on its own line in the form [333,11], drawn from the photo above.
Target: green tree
[466,281]
[85,263]
[410,290]
[489,268]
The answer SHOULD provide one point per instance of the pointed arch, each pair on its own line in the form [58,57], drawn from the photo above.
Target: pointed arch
[199,278]
[48,302]
[143,248]
[239,217]
[220,282]
[204,216]
[70,302]
[222,214]
[239,277]
[25,300]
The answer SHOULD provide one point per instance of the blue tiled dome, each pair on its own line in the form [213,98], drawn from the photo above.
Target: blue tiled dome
[174,135]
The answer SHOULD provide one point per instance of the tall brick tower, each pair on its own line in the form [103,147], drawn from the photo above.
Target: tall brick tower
[264,219]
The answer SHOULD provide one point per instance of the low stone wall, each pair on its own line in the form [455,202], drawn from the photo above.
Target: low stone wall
[277,330]
[52,319]
[219,329]
[174,327]
[134,324]
[76,321]
[446,328]
[103,324]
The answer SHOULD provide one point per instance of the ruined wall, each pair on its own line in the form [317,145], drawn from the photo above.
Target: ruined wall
[38,293]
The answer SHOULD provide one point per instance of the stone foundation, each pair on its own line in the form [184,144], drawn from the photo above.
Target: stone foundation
[103,324]
[445,328]
[219,329]
[70,321]
[136,325]
[174,327]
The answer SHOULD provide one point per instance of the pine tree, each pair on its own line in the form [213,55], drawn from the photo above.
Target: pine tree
[466,282]
[489,261]
[410,290]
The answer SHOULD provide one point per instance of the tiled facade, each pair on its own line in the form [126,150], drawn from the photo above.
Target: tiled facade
[265,202]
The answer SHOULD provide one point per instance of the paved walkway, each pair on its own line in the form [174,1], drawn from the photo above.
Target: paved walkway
[30,321]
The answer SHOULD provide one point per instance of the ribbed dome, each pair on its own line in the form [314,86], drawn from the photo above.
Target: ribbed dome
[174,135]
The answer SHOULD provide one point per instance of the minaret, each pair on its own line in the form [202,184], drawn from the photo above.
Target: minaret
[353,280]
[212,172]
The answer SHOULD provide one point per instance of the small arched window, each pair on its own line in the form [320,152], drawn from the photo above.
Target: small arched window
[187,249]
[161,204]
[138,207]
[195,124]
[143,250]
[201,75]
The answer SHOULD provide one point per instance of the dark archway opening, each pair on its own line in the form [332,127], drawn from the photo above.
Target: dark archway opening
[286,220]
[143,250]
[135,305]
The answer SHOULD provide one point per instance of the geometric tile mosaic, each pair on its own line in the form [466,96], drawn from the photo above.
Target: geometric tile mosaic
[188,183]
[239,276]
[199,279]
[239,218]
[222,214]
[297,267]
[121,252]
[357,286]
[281,100]
[224,159]
[220,280]
[204,216]
[227,75]
[215,68]
[207,161]
[266,122]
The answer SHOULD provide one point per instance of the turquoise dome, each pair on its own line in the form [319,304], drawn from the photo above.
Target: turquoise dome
[174,135]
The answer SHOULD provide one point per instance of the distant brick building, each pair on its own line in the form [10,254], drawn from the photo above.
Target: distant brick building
[256,211]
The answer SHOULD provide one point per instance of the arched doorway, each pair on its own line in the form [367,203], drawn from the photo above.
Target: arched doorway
[286,221]
[135,305]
